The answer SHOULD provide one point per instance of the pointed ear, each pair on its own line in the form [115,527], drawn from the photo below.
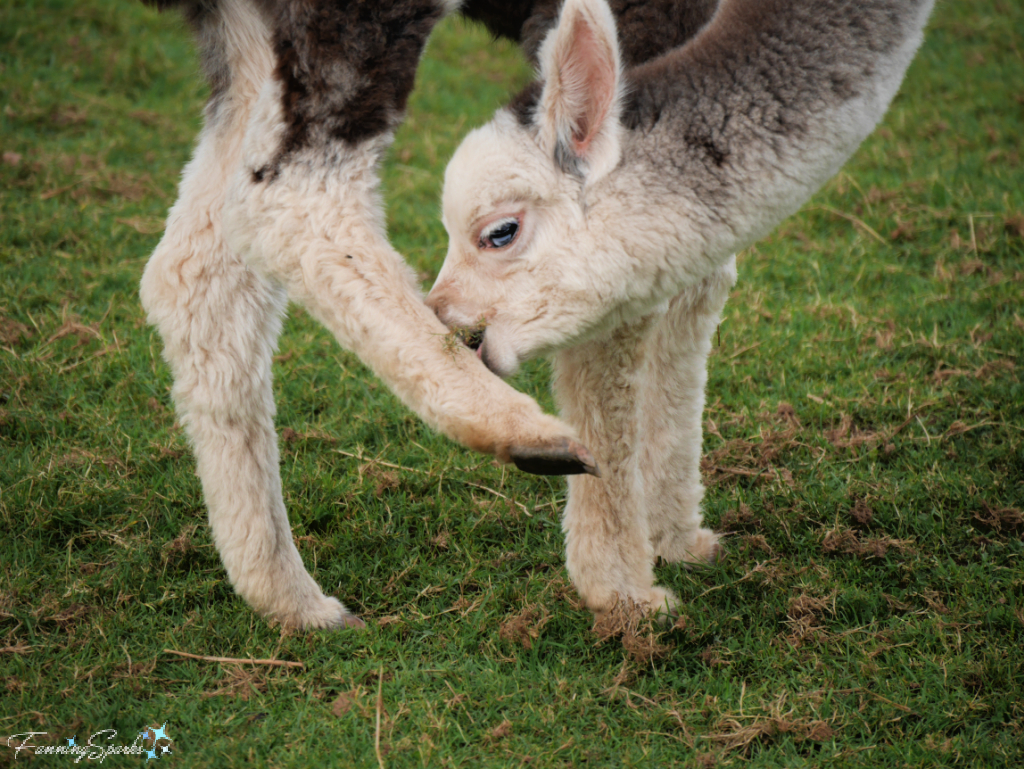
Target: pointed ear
[579,108]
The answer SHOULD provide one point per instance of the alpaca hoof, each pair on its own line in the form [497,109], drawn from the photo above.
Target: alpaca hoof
[559,457]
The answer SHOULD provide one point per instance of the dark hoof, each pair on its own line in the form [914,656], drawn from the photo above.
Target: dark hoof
[563,457]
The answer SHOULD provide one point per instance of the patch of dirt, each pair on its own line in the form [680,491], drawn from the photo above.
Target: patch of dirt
[1013,225]
[740,457]
[502,730]
[861,512]
[752,542]
[345,701]
[741,517]
[787,414]
[712,657]
[174,551]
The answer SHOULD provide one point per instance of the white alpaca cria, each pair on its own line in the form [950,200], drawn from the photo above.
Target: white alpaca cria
[598,217]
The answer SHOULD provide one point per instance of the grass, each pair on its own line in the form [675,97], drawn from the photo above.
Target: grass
[863,453]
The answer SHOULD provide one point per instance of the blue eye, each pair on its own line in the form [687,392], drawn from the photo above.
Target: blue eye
[500,234]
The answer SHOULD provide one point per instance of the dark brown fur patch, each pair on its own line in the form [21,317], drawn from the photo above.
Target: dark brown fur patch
[347,67]
[524,104]
[510,19]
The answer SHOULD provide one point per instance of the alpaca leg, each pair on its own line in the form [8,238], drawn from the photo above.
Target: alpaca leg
[219,322]
[608,546]
[671,407]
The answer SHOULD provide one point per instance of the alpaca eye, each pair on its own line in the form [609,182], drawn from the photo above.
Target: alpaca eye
[500,234]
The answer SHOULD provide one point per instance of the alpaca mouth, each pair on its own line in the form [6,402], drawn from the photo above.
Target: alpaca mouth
[473,338]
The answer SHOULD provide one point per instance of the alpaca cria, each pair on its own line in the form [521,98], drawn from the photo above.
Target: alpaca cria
[280,201]
[597,217]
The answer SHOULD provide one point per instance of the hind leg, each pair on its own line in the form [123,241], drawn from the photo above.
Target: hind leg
[219,321]
[671,405]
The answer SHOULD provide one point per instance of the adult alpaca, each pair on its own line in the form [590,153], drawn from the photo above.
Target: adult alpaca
[280,202]
[598,217]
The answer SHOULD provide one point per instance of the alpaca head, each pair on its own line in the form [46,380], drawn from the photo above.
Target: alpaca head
[522,255]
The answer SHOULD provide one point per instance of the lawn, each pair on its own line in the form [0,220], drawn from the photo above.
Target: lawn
[864,453]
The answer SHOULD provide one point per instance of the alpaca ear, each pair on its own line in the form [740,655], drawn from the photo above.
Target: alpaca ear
[579,109]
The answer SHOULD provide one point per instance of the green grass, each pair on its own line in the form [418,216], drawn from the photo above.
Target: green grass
[863,451]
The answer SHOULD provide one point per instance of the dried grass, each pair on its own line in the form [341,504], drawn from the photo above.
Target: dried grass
[12,332]
[524,628]
[742,457]
[633,623]
[738,732]
[179,547]
[848,541]
[998,518]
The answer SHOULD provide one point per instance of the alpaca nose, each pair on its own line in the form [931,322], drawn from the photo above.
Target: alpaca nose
[436,301]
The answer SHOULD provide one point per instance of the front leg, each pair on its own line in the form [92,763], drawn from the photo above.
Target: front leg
[311,220]
[609,554]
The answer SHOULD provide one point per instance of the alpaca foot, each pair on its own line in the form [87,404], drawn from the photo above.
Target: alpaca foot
[326,613]
[701,547]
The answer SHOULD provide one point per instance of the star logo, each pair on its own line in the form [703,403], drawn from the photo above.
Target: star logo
[156,734]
